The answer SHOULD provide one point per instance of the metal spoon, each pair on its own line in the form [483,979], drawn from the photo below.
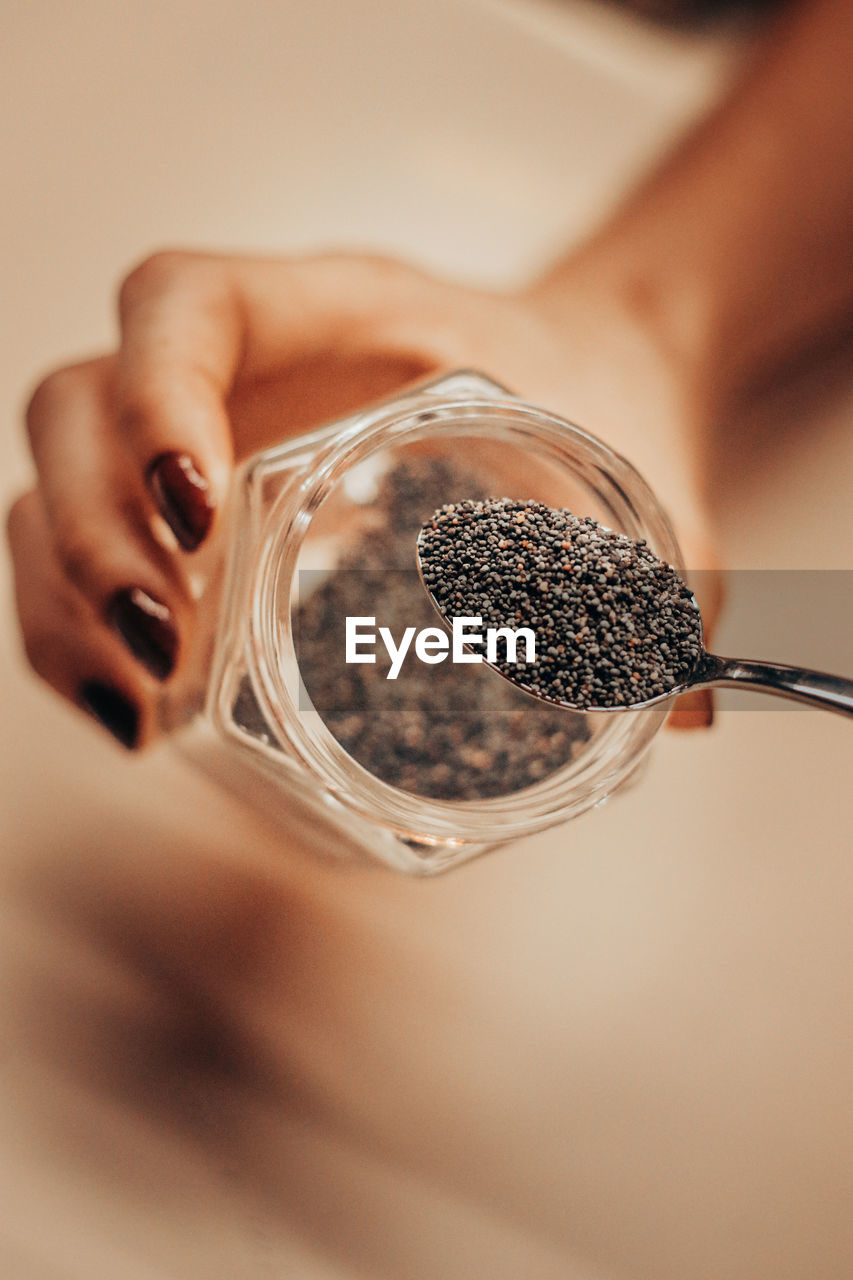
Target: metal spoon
[815,688]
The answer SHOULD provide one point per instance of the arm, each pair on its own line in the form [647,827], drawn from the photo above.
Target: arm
[736,255]
[731,258]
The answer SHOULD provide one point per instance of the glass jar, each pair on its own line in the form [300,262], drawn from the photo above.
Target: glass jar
[426,771]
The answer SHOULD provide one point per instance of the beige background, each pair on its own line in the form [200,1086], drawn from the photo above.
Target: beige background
[622,1049]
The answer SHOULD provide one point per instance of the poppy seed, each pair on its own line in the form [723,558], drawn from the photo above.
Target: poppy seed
[615,626]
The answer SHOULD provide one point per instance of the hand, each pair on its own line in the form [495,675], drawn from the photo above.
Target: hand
[219,357]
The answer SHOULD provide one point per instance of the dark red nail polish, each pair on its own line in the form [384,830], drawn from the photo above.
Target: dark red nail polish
[182,496]
[111,709]
[147,628]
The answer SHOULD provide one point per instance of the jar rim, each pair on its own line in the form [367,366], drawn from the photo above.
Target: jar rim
[585,780]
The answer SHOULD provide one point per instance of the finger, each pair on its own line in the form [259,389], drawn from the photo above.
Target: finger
[695,710]
[181,341]
[305,395]
[195,326]
[190,323]
[100,516]
[65,641]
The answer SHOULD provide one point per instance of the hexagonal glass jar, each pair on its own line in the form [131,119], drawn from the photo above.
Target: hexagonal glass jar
[428,772]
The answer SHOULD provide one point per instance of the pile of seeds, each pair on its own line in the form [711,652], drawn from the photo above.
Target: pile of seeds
[449,732]
[614,625]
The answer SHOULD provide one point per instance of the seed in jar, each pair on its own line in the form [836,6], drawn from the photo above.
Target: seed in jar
[446,732]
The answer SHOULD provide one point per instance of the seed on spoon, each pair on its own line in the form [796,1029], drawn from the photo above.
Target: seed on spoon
[615,626]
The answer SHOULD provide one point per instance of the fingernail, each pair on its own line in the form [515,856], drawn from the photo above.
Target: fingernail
[147,628]
[111,709]
[182,496]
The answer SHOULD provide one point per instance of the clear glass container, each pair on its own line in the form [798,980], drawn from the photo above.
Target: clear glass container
[447,761]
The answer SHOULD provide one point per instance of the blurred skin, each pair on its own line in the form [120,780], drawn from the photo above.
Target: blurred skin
[692,13]
[729,262]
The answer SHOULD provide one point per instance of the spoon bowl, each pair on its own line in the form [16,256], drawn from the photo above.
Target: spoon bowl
[814,688]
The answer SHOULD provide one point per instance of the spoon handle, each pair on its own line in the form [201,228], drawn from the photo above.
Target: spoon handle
[817,688]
